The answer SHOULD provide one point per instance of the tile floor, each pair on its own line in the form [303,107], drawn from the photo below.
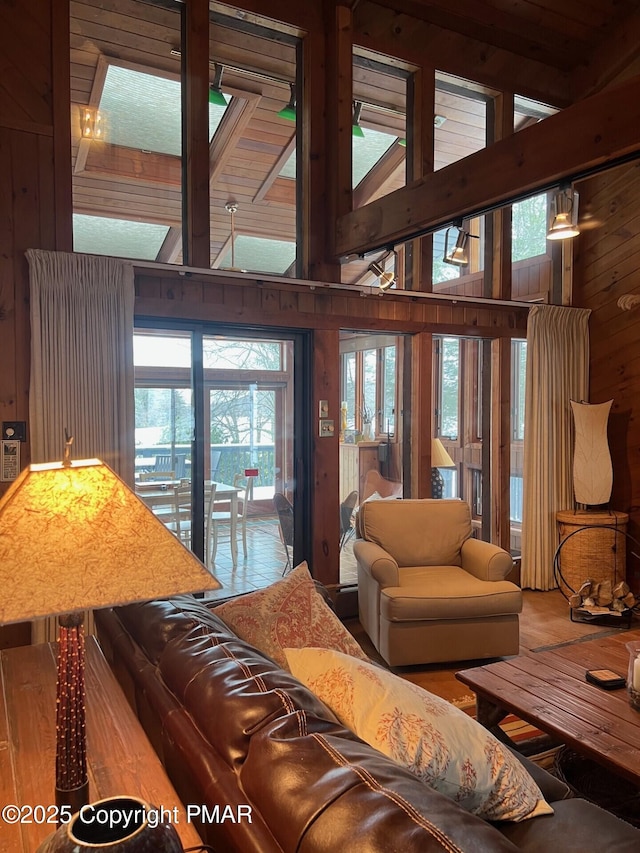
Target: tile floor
[265,561]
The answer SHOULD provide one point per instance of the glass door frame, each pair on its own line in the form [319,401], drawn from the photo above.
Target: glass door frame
[301,428]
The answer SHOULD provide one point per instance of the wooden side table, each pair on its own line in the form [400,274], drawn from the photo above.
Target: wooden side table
[120,759]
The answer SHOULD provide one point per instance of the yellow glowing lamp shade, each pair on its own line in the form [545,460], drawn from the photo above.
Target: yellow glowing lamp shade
[75,537]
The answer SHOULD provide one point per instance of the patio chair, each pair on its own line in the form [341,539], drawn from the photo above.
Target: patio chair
[179,519]
[220,511]
[285,519]
[347,528]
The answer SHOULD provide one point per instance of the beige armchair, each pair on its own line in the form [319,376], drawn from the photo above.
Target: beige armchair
[428,591]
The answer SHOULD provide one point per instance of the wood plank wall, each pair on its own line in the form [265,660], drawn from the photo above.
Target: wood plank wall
[606,268]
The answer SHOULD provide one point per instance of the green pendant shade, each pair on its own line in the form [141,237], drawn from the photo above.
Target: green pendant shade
[215,89]
[216,97]
[289,112]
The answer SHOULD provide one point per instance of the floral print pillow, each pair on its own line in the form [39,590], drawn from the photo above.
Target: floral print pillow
[290,612]
[439,743]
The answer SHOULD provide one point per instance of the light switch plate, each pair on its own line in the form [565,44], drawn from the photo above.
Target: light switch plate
[323,409]
[326,428]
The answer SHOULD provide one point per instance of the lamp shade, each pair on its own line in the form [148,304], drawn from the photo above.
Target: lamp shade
[73,537]
[439,456]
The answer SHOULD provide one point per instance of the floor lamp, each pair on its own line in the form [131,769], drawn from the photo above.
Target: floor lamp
[74,537]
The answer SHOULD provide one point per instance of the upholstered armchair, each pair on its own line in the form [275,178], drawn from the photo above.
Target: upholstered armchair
[427,590]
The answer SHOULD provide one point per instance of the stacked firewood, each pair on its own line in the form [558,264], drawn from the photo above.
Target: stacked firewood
[603,597]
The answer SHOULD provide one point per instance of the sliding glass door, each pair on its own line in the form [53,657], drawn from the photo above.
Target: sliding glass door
[215,413]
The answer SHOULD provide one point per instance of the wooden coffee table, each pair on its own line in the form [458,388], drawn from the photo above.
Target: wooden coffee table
[548,689]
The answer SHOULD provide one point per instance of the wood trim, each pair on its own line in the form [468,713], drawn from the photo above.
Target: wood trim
[275,172]
[590,135]
[195,148]
[419,422]
[236,117]
[61,85]
[325,522]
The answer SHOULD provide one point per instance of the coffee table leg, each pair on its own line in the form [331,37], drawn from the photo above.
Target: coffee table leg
[488,713]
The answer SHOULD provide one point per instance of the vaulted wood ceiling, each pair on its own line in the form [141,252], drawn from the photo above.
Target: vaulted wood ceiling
[549,50]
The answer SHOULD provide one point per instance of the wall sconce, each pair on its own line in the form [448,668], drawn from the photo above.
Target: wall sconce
[356,130]
[289,112]
[457,254]
[91,123]
[386,279]
[215,89]
[563,214]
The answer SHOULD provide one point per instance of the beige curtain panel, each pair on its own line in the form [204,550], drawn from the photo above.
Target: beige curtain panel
[557,372]
[82,358]
[81,367]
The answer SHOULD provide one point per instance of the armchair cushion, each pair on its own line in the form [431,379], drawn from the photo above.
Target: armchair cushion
[447,592]
[414,537]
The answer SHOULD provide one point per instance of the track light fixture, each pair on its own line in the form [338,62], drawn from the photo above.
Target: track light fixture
[215,89]
[457,254]
[563,214]
[386,278]
[289,112]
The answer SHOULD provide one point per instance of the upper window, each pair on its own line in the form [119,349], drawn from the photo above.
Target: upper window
[126,123]
[529,228]
[448,387]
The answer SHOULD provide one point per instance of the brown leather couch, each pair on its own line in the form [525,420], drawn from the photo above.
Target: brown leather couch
[237,732]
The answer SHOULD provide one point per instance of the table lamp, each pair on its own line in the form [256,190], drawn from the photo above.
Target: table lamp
[439,459]
[74,537]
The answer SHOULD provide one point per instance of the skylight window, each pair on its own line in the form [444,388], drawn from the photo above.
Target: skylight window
[366,153]
[121,238]
[143,111]
[368,150]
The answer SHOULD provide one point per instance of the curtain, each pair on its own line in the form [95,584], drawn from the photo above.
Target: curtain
[82,358]
[81,367]
[557,372]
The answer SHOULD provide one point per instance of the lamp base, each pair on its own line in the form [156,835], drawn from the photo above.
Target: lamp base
[437,483]
[72,798]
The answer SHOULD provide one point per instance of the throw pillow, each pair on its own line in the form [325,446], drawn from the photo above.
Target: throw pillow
[443,746]
[291,613]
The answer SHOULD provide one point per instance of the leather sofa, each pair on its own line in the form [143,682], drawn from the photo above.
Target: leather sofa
[427,590]
[237,732]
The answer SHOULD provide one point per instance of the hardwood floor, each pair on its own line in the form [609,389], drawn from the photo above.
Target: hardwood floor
[544,622]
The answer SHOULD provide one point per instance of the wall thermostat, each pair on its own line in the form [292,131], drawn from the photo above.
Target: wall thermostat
[14,430]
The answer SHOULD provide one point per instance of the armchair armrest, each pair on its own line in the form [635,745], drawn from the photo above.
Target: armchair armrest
[485,561]
[376,562]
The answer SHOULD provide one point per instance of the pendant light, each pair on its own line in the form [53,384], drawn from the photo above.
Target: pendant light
[356,130]
[215,89]
[289,112]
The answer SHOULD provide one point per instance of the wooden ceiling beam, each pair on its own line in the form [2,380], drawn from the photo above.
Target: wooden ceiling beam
[484,22]
[589,135]
[616,58]
[396,34]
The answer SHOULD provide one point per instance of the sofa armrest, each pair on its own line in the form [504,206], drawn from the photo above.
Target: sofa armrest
[485,561]
[376,562]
